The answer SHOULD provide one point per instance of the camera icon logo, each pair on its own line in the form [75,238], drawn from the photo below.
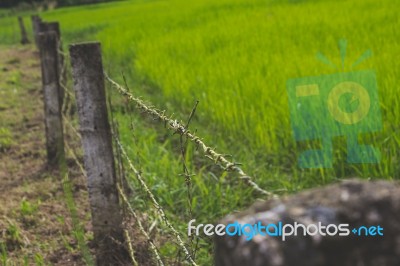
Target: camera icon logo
[341,104]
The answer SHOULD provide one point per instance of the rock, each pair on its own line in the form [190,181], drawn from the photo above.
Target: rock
[353,202]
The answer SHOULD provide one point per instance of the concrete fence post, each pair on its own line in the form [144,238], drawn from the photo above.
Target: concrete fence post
[55,27]
[49,26]
[24,36]
[87,72]
[35,28]
[52,105]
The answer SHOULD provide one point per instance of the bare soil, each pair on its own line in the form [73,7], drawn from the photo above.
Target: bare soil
[35,223]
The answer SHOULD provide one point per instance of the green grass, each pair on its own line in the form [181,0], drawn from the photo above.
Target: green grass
[78,231]
[9,30]
[5,139]
[235,56]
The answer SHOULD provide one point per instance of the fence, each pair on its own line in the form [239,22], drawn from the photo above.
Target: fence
[104,162]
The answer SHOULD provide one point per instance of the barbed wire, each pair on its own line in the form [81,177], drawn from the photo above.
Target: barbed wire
[130,248]
[178,128]
[141,228]
[155,203]
[69,123]
[62,57]
[75,158]
[61,52]
[67,90]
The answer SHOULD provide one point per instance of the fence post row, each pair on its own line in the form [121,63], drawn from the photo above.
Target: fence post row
[52,105]
[87,72]
[24,36]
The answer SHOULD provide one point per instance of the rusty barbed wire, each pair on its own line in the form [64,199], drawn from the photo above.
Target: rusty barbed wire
[156,204]
[178,128]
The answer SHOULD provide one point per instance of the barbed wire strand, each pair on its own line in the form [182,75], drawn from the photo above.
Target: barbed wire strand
[156,204]
[69,123]
[130,248]
[75,158]
[60,52]
[63,69]
[178,128]
[141,228]
[67,90]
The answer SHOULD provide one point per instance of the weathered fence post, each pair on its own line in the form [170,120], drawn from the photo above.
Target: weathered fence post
[35,28]
[55,27]
[49,26]
[87,71]
[52,105]
[24,37]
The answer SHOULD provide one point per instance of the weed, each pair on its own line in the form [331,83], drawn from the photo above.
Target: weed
[3,254]
[14,78]
[39,261]
[78,231]
[5,139]
[28,208]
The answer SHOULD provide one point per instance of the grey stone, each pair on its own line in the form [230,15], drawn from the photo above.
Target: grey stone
[354,202]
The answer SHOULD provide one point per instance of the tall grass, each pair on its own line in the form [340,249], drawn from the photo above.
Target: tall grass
[235,56]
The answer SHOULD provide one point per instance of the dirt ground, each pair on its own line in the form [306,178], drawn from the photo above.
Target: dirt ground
[35,223]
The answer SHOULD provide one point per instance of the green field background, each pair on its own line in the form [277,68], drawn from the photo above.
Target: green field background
[235,57]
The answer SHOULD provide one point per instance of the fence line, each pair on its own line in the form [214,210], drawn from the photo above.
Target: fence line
[180,129]
[172,124]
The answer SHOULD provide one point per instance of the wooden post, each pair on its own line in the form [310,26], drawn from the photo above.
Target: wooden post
[24,37]
[52,105]
[35,28]
[87,72]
